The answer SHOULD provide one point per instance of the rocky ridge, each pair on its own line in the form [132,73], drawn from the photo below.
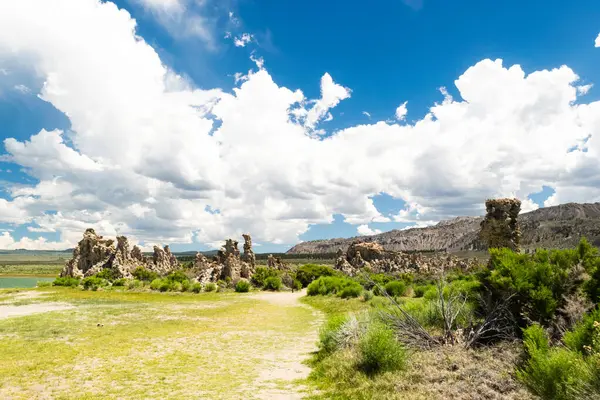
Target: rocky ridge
[550,227]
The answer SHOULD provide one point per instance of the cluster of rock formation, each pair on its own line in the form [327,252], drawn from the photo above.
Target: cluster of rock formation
[373,257]
[276,263]
[94,254]
[500,227]
[228,263]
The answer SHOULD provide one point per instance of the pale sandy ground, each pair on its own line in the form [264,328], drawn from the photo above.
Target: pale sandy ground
[289,365]
[7,311]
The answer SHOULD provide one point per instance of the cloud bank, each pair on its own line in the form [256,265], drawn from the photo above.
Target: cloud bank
[151,156]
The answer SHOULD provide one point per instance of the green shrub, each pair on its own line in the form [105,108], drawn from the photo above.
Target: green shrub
[367,295]
[296,285]
[186,286]
[261,274]
[66,281]
[379,351]
[558,374]
[210,287]
[373,281]
[120,282]
[328,334]
[44,284]
[143,274]
[419,290]
[107,274]
[272,283]
[539,282]
[552,373]
[310,272]
[243,286]
[94,283]
[175,286]
[585,334]
[156,284]
[197,288]
[334,285]
[134,284]
[353,290]
[395,288]
[177,276]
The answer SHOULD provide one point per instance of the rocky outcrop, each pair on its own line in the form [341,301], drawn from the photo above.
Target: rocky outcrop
[374,258]
[94,254]
[276,263]
[549,227]
[500,227]
[163,261]
[228,263]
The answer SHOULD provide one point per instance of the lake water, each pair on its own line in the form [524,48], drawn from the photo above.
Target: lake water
[21,281]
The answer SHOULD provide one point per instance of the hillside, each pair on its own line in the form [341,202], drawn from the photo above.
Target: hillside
[551,227]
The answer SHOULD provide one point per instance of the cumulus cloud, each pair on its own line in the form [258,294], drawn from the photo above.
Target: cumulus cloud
[364,230]
[598,41]
[401,111]
[151,156]
[7,242]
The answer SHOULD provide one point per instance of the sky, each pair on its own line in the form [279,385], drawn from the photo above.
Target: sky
[186,122]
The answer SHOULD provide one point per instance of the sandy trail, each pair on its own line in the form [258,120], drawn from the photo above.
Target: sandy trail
[277,380]
[7,311]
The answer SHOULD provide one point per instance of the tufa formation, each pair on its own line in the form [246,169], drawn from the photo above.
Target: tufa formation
[374,258]
[500,227]
[94,254]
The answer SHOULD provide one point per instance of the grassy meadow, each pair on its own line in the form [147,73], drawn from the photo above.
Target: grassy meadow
[116,344]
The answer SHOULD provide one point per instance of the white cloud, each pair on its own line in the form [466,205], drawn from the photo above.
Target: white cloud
[182,18]
[598,41]
[148,154]
[401,111]
[243,40]
[7,242]
[364,230]
[368,115]
[584,89]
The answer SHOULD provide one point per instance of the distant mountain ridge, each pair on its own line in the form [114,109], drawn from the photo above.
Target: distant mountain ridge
[550,227]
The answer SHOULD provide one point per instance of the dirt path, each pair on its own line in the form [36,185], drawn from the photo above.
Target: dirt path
[7,311]
[279,380]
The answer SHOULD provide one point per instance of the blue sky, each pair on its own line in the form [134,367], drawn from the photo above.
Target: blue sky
[385,53]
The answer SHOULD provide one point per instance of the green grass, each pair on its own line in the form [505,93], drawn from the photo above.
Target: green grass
[158,345]
[42,270]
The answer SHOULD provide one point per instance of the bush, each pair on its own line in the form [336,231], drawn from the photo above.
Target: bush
[186,286]
[261,274]
[585,336]
[177,276]
[310,272]
[156,284]
[334,285]
[143,274]
[66,281]
[296,285]
[134,284]
[107,274]
[94,283]
[272,283]
[367,295]
[349,291]
[539,282]
[210,287]
[395,288]
[120,282]
[243,286]
[196,288]
[379,351]
[328,334]
[43,284]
